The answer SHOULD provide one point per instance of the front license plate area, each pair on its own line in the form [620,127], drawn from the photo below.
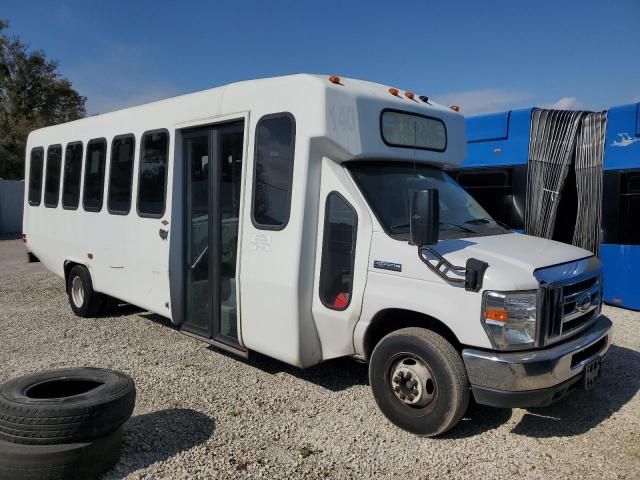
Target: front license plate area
[592,371]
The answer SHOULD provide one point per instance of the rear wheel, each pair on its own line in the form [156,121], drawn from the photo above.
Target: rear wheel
[84,301]
[419,381]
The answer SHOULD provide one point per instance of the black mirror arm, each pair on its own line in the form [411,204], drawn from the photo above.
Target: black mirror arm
[473,272]
[436,267]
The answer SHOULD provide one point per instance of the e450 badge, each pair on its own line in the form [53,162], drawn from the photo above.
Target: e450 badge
[384,265]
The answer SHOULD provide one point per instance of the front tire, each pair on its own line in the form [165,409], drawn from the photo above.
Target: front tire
[419,381]
[84,301]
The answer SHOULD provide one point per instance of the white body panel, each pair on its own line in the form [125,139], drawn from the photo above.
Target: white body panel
[512,260]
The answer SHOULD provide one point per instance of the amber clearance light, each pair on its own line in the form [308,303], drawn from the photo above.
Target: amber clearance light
[496,314]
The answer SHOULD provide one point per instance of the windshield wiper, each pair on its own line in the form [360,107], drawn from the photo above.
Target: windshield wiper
[478,221]
[399,225]
[445,224]
[459,227]
[485,220]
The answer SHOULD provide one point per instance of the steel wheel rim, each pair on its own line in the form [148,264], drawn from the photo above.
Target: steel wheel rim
[77,291]
[412,381]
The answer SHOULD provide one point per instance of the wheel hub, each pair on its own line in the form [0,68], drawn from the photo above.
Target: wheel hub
[77,291]
[412,382]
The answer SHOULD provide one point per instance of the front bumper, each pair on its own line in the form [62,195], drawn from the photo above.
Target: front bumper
[535,378]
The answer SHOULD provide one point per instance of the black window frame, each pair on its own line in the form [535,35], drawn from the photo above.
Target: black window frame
[408,112]
[64,174]
[133,164]
[515,181]
[86,170]
[141,152]
[45,177]
[292,146]
[35,203]
[616,208]
[325,240]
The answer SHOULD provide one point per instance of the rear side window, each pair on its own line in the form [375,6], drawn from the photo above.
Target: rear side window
[621,203]
[35,176]
[52,176]
[338,253]
[94,175]
[275,138]
[153,173]
[121,174]
[72,175]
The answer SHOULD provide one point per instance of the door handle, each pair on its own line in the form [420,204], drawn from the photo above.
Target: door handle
[199,259]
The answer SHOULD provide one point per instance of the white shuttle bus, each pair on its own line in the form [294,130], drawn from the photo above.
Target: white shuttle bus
[308,217]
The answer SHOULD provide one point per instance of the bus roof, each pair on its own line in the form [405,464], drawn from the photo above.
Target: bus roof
[345,115]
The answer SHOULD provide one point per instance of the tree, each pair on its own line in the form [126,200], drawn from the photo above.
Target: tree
[32,95]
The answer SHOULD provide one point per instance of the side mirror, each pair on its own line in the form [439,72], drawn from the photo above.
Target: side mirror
[424,223]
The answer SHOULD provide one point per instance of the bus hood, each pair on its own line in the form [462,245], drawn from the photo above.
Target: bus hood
[512,257]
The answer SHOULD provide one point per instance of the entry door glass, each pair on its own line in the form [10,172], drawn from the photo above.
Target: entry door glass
[230,157]
[198,316]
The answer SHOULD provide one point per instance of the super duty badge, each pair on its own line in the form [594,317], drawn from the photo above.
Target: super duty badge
[383,265]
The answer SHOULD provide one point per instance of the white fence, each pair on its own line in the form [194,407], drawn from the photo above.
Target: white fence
[11,206]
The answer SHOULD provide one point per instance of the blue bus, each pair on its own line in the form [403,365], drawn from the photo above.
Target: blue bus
[495,173]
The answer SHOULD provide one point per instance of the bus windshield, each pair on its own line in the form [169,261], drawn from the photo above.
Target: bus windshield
[387,186]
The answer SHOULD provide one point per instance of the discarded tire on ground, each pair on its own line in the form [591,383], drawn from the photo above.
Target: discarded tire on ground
[65,406]
[63,424]
[71,461]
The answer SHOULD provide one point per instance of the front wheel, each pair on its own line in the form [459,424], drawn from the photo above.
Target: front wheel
[419,381]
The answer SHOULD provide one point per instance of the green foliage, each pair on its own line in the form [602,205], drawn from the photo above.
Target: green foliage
[308,449]
[32,95]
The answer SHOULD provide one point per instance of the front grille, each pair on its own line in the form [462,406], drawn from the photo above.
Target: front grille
[572,307]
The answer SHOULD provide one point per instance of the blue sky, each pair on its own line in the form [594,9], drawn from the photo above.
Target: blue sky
[482,55]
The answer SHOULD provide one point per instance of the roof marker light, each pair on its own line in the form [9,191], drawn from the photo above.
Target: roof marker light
[409,95]
[455,108]
[335,79]
[394,92]
[424,98]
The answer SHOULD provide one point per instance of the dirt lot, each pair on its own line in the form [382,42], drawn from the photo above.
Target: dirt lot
[204,414]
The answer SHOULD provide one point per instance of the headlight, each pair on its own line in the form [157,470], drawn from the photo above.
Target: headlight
[510,318]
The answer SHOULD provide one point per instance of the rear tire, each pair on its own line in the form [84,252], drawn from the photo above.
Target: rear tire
[84,301]
[419,381]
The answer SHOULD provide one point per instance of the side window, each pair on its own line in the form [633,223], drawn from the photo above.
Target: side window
[338,253]
[94,175]
[121,174]
[628,228]
[35,176]
[275,138]
[154,152]
[72,175]
[52,176]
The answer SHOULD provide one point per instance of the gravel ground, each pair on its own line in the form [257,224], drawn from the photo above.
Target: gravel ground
[204,414]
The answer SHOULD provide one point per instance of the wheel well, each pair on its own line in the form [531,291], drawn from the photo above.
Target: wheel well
[68,265]
[387,321]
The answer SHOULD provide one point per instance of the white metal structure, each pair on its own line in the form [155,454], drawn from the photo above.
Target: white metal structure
[274,215]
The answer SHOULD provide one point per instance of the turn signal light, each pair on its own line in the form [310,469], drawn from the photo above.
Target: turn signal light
[496,314]
[335,79]
[455,108]
[409,95]
[394,92]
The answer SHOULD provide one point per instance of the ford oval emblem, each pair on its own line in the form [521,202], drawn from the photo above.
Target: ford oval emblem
[584,302]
